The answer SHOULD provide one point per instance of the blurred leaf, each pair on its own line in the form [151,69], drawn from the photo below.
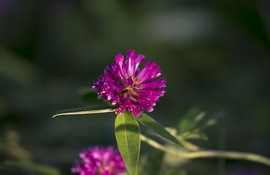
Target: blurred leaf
[176,173]
[81,111]
[182,140]
[13,147]
[173,161]
[152,163]
[191,120]
[16,68]
[154,125]
[195,135]
[192,124]
[128,140]
[172,131]
[30,168]
[246,14]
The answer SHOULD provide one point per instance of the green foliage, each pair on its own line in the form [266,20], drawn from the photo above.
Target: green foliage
[192,124]
[11,146]
[154,125]
[176,173]
[128,134]
[26,168]
[190,127]
[151,163]
[12,66]
[224,70]
[81,111]
[191,120]
[128,140]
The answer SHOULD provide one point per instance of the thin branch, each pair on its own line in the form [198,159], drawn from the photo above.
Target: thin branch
[209,154]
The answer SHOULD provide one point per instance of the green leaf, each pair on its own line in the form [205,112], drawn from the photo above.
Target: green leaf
[172,131]
[128,140]
[176,173]
[16,167]
[195,135]
[151,163]
[154,125]
[12,65]
[81,111]
[192,120]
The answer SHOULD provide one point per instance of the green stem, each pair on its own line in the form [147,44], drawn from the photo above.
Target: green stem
[209,154]
[98,111]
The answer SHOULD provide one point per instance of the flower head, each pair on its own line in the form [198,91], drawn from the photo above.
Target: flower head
[100,161]
[131,84]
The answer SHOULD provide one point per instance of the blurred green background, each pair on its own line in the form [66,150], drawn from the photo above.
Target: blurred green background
[214,54]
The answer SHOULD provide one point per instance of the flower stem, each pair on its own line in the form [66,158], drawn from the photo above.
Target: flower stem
[209,154]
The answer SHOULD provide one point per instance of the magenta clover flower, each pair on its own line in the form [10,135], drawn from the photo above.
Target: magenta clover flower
[130,84]
[100,161]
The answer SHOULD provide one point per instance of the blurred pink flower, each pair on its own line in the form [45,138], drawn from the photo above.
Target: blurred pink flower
[99,161]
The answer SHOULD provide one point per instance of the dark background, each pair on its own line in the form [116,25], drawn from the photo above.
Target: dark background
[214,55]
